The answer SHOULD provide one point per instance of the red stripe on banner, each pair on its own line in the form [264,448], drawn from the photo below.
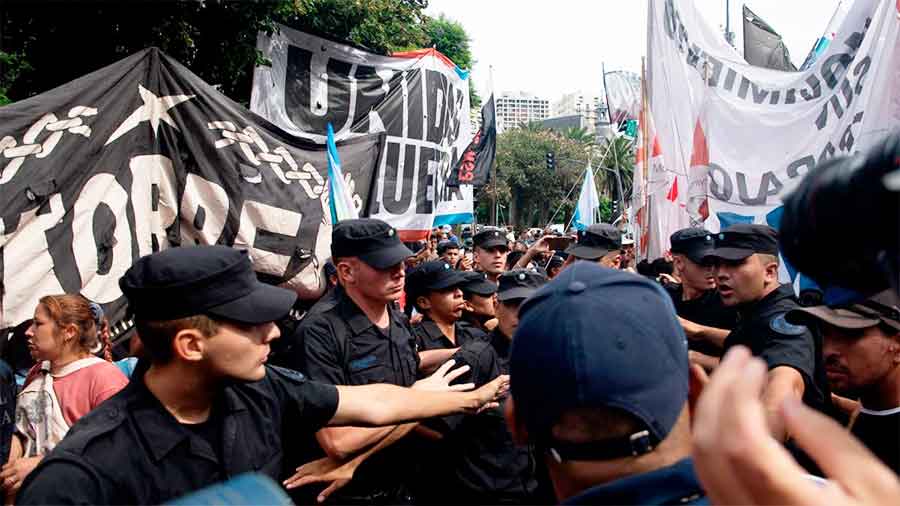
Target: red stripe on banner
[673,193]
[413,235]
[421,53]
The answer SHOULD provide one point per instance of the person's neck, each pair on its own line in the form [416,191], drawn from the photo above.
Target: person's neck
[767,290]
[572,478]
[66,359]
[376,310]
[183,390]
[446,328]
[885,394]
[689,292]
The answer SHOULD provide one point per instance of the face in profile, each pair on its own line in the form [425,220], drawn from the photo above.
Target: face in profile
[239,351]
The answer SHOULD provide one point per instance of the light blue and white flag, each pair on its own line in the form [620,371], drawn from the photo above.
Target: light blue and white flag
[588,202]
[340,199]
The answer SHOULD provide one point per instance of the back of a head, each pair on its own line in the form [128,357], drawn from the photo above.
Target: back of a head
[603,345]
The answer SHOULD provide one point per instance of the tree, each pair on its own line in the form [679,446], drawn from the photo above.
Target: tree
[580,135]
[450,38]
[619,155]
[57,42]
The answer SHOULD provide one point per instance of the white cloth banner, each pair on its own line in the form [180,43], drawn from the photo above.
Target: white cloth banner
[735,139]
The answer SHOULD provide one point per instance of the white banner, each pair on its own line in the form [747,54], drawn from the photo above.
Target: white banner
[420,99]
[735,139]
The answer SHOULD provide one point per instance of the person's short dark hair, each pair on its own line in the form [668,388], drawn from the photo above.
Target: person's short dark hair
[513,258]
[445,246]
[663,266]
[157,335]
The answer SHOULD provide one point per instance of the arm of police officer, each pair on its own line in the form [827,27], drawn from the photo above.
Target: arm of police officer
[783,384]
[738,462]
[430,360]
[696,332]
[789,352]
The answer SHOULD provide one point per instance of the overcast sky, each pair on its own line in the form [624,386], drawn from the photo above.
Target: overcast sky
[551,47]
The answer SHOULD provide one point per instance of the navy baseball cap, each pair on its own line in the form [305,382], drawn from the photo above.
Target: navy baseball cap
[478,284]
[433,276]
[636,361]
[519,284]
[211,280]
[596,242]
[742,240]
[489,238]
[373,241]
[694,243]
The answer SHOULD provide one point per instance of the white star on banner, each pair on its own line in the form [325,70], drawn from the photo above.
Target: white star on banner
[154,110]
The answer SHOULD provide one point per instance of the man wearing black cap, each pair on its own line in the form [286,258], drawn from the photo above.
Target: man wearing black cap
[448,251]
[746,257]
[491,249]
[600,243]
[705,318]
[358,339]
[206,407]
[862,360]
[434,289]
[605,406]
[514,287]
[478,293]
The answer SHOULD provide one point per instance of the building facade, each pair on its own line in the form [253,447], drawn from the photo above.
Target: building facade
[590,107]
[516,109]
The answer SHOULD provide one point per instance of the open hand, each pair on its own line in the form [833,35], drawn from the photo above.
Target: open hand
[14,473]
[490,394]
[440,380]
[326,470]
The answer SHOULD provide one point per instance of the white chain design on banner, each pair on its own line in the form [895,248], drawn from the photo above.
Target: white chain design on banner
[16,154]
[247,139]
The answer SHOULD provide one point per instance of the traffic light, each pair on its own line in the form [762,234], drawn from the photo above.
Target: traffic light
[615,207]
[551,161]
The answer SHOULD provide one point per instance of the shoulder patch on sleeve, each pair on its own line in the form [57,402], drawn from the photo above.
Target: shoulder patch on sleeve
[780,325]
[289,373]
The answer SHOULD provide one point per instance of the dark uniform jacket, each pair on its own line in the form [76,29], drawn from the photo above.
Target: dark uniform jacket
[131,450]
[707,310]
[343,347]
[430,337]
[762,328]
[676,484]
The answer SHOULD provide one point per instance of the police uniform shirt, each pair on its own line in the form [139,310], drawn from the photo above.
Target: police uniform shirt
[343,347]
[676,484]
[430,337]
[502,346]
[880,432]
[707,310]
[131,450]
[761,326]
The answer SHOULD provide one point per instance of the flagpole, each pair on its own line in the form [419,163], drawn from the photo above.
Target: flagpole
[494,165]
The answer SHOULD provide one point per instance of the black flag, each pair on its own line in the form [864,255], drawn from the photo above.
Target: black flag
[475,165]
[763,46]
[143,155]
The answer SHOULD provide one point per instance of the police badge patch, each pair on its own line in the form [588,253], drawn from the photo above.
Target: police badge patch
[780,325]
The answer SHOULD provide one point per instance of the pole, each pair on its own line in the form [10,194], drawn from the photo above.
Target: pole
[729,37]
[493,165]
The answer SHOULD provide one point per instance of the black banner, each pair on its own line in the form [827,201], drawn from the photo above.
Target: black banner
[474,167]
[143,155]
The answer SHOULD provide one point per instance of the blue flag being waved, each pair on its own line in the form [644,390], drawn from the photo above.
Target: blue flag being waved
[588,202]
[340,200]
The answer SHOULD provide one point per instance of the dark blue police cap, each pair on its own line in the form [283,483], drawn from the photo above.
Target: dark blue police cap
[563,358]
[694,243]
[478,284]
[519,284]
[433,276]
[373,241]
[596,242]
[490,237]
[202,280]
[742,240]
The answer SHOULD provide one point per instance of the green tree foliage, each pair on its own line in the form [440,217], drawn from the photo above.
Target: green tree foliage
[60,41]
[618,154]
[450,38]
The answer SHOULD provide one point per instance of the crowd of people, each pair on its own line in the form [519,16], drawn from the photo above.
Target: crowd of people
[484,368]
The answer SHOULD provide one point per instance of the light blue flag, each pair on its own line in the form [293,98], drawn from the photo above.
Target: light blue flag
[340,199]
[588,202]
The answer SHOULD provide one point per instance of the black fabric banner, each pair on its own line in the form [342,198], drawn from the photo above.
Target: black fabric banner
[143,155]
[474,167]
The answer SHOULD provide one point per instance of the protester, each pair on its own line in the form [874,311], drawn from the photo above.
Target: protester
[627,262]
[448,251]
[7,411]
[862,359]
[434,288]
[739,462]
[479,294]
[600,243]
[706,320]
[747,264]
[66,384]
[491,249]
[555,266]
[605,406]
[207,406]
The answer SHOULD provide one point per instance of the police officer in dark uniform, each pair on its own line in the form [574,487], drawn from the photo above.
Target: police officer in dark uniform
[515,286]
[478,293]
[205,407]
[358,338]
[705,318]
[491,250]
[747,264]
[601,243]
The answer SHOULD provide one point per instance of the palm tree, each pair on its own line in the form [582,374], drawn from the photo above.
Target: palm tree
[580,135]
[618,155]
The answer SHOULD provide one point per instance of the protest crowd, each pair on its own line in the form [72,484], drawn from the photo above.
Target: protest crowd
[201,304]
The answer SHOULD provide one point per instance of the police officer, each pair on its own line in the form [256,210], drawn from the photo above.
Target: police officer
[746,258]
[205,406]
[705,318]
[600,243]
[358,338]
[491,250]
[514,287]
[479,293]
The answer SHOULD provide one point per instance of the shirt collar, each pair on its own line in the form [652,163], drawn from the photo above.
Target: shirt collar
[670,485]
[780,293]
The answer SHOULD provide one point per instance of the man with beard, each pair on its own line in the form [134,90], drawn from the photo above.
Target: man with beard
[746,258]
[862,360]
[705,318]
[491,249]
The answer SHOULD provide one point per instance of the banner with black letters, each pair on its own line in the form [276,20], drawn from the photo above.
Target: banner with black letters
[143,155]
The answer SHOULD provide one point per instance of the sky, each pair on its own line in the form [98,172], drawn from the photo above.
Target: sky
[553,47]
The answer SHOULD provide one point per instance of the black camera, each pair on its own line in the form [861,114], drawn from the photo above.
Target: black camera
[841,226]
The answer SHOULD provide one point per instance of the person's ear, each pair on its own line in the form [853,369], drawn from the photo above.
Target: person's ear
[516,428]
[189,345]
[423,302]
[345,273]
[70,332]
